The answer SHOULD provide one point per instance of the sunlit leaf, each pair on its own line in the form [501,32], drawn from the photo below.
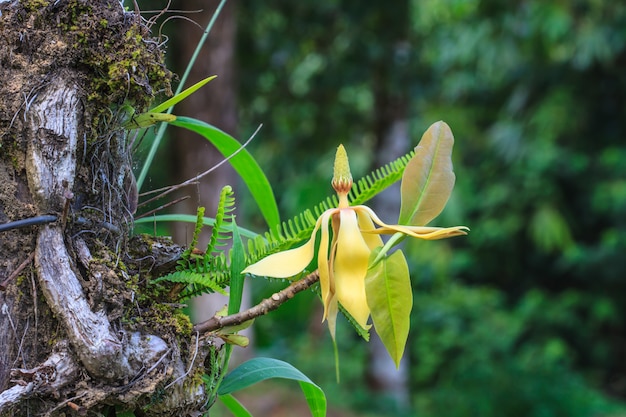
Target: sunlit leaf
[236,328]
[260,369]
[245,165]
[388,290]
[181,96]
[428,178]
[234,339]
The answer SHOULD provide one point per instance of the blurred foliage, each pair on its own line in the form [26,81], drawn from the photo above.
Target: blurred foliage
[527,313]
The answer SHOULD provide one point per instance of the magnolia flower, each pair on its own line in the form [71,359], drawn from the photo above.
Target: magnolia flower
[342,259]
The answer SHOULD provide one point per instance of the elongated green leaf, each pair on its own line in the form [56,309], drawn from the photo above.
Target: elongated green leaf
[189,218]
[148,119]
[181,96]
[234,406]
[260,369]
[389,296]
[245,165]
[428,178]
[237,264]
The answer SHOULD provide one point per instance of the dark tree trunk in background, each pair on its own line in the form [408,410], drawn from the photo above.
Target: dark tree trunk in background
[382,373]
[215,104]
[392,133]
[80,329]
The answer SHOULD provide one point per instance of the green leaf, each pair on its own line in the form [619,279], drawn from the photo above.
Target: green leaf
[234,406]
[148,119]
[190,218]
[260,369]
[181,96]
[235,328]
[234,339]
[205,281]
[428,178]
[237,264]
[245,165]
[389,296]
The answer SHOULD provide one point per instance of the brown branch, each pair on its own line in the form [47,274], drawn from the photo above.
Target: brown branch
[264,307]
[164,206]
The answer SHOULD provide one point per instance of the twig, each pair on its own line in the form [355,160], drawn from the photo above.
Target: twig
[158,190]
[164,206]
[264,307]
[3,285]
[195,179]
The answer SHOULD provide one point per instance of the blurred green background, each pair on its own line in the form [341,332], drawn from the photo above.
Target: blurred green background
[525,316]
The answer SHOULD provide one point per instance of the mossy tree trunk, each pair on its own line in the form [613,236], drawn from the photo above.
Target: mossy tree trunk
[82,328]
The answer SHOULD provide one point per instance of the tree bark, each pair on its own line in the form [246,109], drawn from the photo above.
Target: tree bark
[81,327]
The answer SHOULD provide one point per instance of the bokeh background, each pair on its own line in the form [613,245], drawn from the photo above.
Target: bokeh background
[523,317]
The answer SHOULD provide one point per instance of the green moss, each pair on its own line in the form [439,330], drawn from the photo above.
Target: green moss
[183,323]
[129,70]
[32,5]
[122,63]
[153,309]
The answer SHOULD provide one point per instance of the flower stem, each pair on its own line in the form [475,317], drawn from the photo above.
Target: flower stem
[393,241]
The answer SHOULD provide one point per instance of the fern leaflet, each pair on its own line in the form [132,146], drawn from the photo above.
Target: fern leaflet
[207,271]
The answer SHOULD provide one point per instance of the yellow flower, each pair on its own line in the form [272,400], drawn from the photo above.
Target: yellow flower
[343,260]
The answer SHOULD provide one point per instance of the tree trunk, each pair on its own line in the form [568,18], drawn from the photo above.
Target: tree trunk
[216,104]
[383,377]
[81,326]
[391,104]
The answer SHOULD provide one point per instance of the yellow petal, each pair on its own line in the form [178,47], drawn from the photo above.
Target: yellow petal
[287,263]
[421,232]
[322,261]
[332,315]
[428,233]
[366,225]
[350,267]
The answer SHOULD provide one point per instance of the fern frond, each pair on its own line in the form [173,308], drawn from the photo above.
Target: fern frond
[223,217]
[196,283]
[208,271]
[198,228]
[206,277]
[185,259]
[375,182]
[217,272]
[289,233]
